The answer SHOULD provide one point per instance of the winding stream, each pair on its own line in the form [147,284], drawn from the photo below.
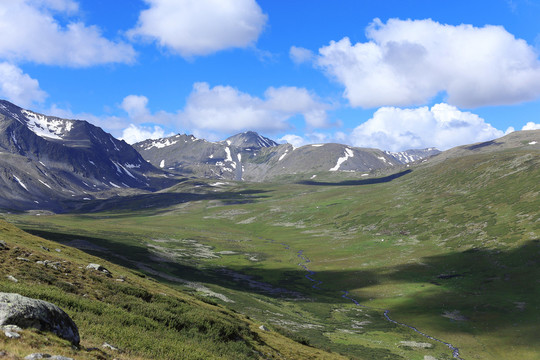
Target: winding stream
[310,276]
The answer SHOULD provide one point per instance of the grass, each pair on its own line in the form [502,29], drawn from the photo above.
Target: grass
[459,237]
[143,318]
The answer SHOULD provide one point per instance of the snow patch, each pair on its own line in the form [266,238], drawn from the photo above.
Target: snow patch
[46,127]
[533,143]
[283,156]
[159,144]
[239,157]
[113,184]
[348,154]
[162,164]
[228,151]
[317,145]
[47,185]
[20,183]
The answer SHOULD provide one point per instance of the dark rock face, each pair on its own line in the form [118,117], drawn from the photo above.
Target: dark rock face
[45,160]
[42,315]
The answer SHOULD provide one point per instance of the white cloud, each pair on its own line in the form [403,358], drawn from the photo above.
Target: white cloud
[19,87]
[531,126]
[31,33]
[293,139]
[226,109]
[134,133]
[136,107]
[66,6]
[200,27]
[301,55]
[410,62]
[442,126]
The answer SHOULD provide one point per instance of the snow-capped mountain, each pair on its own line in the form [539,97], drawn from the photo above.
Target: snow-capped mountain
[250,156]
[45,158]
[409,156]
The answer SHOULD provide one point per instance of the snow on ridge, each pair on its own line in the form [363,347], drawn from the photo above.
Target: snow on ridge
[46,127]
[348,154]
[160,144]
[20,182]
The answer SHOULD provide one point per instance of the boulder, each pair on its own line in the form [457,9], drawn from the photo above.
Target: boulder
[3,245]
[97,267]
[42,315]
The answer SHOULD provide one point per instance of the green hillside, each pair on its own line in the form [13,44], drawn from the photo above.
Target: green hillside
[142,318]
[450,248]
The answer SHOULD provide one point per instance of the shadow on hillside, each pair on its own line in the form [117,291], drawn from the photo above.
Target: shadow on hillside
[380,180]
[161,201]
[490,289]
[485,291]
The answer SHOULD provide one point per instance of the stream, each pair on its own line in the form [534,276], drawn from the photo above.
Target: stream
[316,285]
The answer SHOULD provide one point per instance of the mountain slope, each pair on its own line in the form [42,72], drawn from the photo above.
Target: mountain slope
[45,159]
[252,157]
[141,317]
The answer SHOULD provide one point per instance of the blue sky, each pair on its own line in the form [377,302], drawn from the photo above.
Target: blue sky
[386,74]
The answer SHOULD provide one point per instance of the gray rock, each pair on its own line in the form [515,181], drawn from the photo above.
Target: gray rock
[42,315]
[109,346]
[3,245]
[97,267]
[12,278]
[263,328]
[60,357]
[12,334]
[23,259]
[36,356]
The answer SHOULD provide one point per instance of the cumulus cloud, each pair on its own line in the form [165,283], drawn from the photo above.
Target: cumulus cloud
[301,55]
[134,133]
[19,87]
[408,62]
[136,106]
[32,33]
[442,126]
[225,109]
[200,27]
[294,140]
[531,126]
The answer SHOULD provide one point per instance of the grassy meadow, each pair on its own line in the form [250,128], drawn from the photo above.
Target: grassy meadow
[451,249]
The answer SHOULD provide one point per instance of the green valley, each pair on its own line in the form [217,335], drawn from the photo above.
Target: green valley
[451,248]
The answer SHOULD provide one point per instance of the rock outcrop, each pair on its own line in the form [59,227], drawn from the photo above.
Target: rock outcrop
[42,315]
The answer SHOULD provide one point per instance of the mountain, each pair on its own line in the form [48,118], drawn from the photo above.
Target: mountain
[517,140]
[252,157]
[412,155]
[46,159]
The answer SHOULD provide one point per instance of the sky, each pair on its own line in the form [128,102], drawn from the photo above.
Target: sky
[387,74]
